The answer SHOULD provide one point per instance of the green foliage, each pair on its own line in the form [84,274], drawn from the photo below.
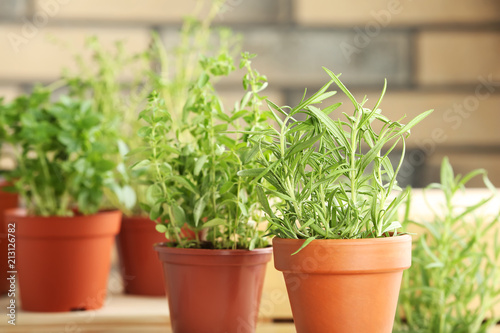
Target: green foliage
[331,178]
[454,282]
[103,81]
[118,82]
[194,160]
[61,151]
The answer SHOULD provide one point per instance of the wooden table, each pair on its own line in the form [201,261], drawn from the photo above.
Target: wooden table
[121,313]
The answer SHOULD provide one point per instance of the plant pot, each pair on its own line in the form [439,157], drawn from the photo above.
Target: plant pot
[139,265]
[63,262]
[343,286]
[7,201]
[213,291]
[141,270]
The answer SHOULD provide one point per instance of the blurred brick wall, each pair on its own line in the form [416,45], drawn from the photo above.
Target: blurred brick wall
[441,54]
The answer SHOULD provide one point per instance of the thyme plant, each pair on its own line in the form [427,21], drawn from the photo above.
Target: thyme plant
[332,178]
[455,281]
[193,161]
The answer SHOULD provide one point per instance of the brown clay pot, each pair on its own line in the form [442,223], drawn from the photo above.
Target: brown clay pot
[63,262]
[343,286]
[141,270]
[213,291]
[7,201]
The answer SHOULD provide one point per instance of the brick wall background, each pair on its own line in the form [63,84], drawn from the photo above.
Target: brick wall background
[442,54]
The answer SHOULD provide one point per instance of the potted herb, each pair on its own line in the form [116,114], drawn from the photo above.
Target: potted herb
[63,241]
[213,281]
[455,280]
[337,240]
[7,200]
[170,70]
[101,80]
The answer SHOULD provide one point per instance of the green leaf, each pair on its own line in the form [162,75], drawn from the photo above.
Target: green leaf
[200,162]
[301,145]
[141,164]
[307,242]
[331,108]
[414,121]
[199,208]
[281,195]
[156,211]
[214,222]
[391,227]
[243,209]
[342,87]
[202,80]
[239,114]
[331,126]
[226,187]
[161,228]
[264,202]
[250,154]
[250,172]
[153,194]
[184,182]
[179,215]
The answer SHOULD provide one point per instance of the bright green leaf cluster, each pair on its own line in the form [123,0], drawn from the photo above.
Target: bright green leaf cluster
[62,153]
[330,178]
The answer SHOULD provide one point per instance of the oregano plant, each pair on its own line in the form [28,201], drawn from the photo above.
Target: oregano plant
[330,178]
[118,83]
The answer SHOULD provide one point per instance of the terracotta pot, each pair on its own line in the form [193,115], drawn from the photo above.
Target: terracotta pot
[141,270]
[343,286]
[7,201]
[63,262]
[213,291]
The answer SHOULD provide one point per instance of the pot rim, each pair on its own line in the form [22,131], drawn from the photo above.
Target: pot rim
[343,256]
[162,248]
[399,238]
[23,213]
[101,224]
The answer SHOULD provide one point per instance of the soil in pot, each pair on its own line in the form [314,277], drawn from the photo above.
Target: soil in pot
[213,291]
[343,286]
[63,263]
[7,201]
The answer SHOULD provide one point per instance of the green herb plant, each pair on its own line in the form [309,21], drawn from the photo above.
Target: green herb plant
[118,82]
[331,178]
[454,283]
[114,81]
[62,160]
[195,181]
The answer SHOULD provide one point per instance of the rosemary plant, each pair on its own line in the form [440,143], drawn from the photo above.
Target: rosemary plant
[455,280]
[332,178]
